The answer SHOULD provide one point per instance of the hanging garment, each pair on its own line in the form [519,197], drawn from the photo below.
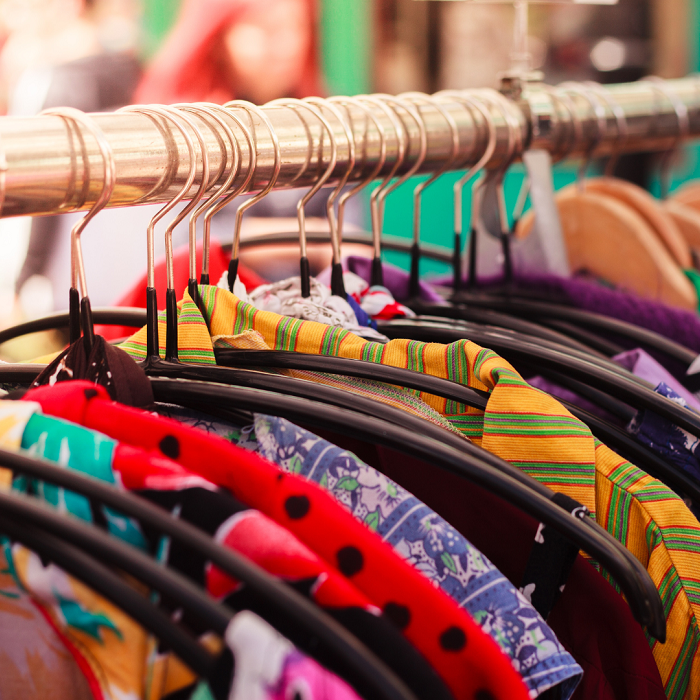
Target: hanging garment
[465,657]
[418,534]
[668,440]
[322,306]
[535,433]
[268,667]
[202,504]
[590,619]
[376,301]
[106,365]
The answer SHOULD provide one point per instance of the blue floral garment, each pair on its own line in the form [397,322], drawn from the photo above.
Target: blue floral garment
[668,440]
[419,535]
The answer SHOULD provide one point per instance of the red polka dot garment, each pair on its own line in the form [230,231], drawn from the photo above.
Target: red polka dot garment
[469,661]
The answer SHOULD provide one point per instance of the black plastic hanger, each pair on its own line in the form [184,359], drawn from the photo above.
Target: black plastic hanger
[337,282]
[516,302]
[493,337]
[359,102]
[295,104]
[609,434]
[626,569]
[578,339]
[116,316]
[216,113]
[624,388]
[421,98]
[332,396]
[304,624]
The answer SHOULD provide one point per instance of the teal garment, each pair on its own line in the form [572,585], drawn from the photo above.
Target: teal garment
[85,451]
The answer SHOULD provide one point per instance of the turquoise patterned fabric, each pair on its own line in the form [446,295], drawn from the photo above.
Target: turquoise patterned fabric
[83,450]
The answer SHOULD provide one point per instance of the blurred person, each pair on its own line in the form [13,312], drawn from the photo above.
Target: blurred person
[255,50]
[220,50]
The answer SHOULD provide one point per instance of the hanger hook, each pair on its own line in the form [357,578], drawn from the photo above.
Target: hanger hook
[683,120]
[337,285]
[227,198]
[78,277]
[598,111]
[410,108]
[562,98]
[458,189]
[251,109]
[377,275]
[179,113]
[153,352]
[201,109]
[301,204]
[620,122]
[421,98]
[376,199]
[515,142]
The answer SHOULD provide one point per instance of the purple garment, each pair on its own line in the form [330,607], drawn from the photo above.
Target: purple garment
[644,366]
[676,324]
[560,392]
[395,279]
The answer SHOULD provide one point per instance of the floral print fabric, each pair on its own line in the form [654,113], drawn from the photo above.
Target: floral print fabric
[419,535]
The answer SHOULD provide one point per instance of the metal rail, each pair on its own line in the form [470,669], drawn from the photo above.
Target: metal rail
[52,168]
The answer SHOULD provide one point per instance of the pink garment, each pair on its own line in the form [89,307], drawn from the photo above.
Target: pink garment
[302,677]
[269,667]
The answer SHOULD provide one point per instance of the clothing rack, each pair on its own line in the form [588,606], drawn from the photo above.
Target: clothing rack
[50,166]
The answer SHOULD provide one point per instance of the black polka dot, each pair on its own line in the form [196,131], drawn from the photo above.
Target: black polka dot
[90,393]
[170,446]
[453,639]
[297,507]
[280,476]
[399,614]
[350,560]
[483,695]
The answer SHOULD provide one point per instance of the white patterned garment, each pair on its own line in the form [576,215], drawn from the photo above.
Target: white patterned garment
[285,298]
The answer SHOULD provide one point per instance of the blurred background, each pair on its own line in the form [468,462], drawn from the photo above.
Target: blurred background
[97,55]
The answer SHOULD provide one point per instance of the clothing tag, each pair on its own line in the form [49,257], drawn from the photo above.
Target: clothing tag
[548,240]
[694,366]
[544,250]
[489,253]
[692,383]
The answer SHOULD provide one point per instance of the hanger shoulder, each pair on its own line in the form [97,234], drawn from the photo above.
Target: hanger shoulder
[689,195]
[610,240]
[650,209]
[687,219]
